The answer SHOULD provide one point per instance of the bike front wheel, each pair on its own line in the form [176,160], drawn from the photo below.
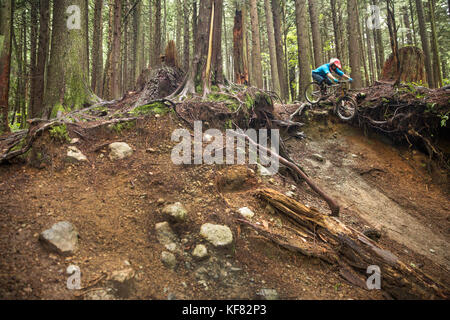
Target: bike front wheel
[313,93]
[346,108]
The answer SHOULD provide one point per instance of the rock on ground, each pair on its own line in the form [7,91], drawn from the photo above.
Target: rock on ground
[165,234]
[119,151]
[75,155]
[268,294]
[169,259]
[123,282]
[246,212]
[200,252]
[219,236]
[176,212]
[62,238]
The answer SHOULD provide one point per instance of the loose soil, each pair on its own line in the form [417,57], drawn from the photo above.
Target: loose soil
[115,206]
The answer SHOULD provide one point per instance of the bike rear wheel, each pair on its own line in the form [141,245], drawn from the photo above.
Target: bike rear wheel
[313,93]
[346,108]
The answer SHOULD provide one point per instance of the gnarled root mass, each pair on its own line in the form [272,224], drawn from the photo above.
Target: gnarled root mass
[408,114]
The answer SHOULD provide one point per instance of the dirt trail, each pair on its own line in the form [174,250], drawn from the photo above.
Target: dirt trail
[381,186]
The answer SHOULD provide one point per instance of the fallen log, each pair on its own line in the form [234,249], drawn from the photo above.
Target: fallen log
[353,252]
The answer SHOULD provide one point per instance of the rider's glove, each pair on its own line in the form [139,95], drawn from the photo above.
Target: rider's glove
[336,80]
[351,80]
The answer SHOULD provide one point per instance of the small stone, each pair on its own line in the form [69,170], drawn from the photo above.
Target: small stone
[165,234]
[75,155]
[268,294]
[219,236]
[100,294]
[432,251]
[169,259]
[200,252]
[318,157]
[172,247]
[74,141]
[123,282]
[119,151]
[246,212]
[176,212]
[62,238]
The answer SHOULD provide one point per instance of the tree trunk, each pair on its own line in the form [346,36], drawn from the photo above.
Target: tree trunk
[425,43]
[272,50]
[179,24]
[97,50]
[317,43]
[434,46]
[239,49]
[336,29]
[256,45]
[157,33]
[217,59]
[186,42]
[112,83]
[303,45]
[67,82]
[197,72]
[353,43]
[6,23]
[44,18]
[393,37]
[279,49]
[33,54]
[409,38]
[379,46]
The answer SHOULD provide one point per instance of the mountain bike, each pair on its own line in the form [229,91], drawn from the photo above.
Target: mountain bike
[345,106]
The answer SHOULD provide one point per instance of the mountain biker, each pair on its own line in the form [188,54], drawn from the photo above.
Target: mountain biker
[323,73]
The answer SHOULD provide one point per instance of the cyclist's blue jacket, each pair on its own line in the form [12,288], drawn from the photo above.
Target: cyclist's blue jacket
[326,69]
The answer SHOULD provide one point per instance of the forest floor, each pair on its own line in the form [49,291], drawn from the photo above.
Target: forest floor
[115,206]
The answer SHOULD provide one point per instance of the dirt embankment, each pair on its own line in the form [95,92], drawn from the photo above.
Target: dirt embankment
[116,205]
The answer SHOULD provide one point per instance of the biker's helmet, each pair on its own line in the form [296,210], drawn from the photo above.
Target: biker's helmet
[336,62]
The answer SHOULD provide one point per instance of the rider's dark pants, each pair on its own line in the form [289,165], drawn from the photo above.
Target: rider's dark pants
[319,79]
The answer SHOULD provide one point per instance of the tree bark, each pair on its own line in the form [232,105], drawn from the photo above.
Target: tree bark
[336,29]
[33,54]
[303,45]
[353,43]
[281,65]
[112,83]
[239,49]
[157,34]
[256,45]
[97,50]
[44,18]
[317,42]
[217,59]
[425,43]
[186,42]
[67,82]
[434,46]
[6,22]
[272,50]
